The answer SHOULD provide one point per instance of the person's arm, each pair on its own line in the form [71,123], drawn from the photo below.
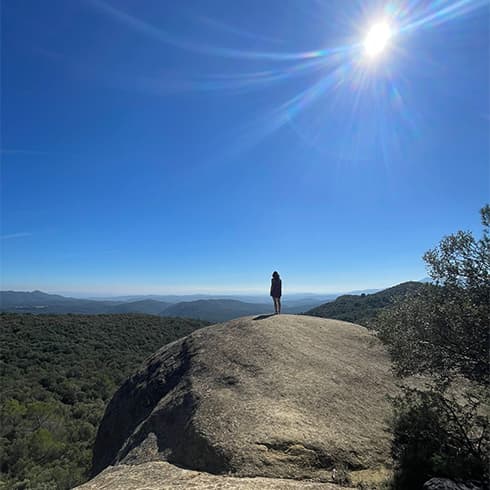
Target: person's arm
[272,284]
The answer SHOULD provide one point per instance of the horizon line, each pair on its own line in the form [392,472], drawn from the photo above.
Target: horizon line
[196,292]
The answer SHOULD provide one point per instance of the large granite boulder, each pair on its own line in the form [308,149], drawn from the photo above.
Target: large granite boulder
[274,396]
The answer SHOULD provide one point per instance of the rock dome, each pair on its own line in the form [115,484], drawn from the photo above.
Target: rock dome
[284,396]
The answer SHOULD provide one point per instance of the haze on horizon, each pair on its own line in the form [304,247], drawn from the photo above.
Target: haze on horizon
[125,291]
[181,148]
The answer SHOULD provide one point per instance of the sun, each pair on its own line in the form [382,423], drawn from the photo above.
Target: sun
[377,39]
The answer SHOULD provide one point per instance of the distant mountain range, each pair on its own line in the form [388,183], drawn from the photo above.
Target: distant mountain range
[358,308]
[293,299]
[39,302]
[212,309]
[363,308]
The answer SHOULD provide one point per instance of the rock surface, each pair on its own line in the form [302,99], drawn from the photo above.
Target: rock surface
[446,484]
[159,475]
[275,396]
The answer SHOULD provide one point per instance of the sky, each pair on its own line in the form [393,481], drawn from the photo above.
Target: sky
[182,147]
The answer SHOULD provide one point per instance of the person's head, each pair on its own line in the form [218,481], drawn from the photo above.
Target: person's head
[275,275]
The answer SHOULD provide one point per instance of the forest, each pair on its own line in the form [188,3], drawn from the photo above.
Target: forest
[364,308]
[57,373]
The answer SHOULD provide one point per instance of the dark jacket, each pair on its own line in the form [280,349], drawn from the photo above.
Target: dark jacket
[276,288]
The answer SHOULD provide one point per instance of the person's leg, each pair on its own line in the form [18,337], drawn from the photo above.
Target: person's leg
[279,305]
[275,306]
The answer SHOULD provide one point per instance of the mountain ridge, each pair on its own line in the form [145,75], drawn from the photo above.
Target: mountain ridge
[363,308]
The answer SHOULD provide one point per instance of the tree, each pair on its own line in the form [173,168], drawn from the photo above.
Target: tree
[441,336]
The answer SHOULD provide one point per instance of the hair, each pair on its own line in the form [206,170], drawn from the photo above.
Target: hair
[275,275]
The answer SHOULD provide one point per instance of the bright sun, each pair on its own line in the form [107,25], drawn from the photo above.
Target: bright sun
[377,39]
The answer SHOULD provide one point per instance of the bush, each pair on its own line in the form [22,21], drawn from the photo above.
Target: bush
[441,335]
[436,435]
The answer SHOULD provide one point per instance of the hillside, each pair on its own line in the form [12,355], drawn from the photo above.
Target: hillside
[275,396]
[39,302]
[215,310]
[221,310]
[363,308]
[146,306]
[57,373]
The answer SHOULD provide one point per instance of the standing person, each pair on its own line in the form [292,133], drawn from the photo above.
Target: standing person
[276,291]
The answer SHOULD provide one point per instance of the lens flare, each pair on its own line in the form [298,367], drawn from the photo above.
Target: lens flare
[377,39]
[372,105]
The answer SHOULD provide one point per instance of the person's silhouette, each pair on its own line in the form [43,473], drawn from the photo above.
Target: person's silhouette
[276,291]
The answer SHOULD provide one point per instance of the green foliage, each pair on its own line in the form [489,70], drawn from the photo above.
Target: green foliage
[57,373]
[462,261]
[437,435]
[442,332]
[442,335]
[364,308]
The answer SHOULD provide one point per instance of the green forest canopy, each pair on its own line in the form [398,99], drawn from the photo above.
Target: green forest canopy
[57,373]
[364,308]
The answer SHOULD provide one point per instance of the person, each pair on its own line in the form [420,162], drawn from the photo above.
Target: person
[276,291]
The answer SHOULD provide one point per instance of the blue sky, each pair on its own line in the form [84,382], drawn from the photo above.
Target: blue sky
[197,146]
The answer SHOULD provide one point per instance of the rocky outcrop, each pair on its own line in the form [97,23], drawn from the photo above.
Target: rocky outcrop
[273,396]
[158,475]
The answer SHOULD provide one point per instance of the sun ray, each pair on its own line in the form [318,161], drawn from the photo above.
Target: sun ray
[350,72]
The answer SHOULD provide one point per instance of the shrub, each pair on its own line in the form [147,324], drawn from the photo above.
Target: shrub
[442,335]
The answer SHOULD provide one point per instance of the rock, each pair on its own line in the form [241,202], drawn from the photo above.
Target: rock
[158,475]
[446,484]
[282,397]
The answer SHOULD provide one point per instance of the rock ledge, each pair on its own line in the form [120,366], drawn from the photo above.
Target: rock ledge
[159,475]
